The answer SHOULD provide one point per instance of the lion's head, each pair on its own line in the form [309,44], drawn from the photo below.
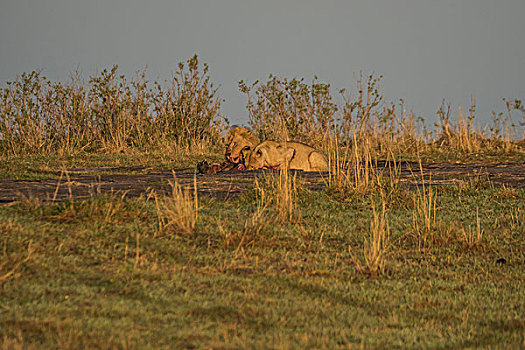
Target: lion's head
[239,144]
[270,155]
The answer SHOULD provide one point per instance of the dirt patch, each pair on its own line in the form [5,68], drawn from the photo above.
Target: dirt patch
[232,183]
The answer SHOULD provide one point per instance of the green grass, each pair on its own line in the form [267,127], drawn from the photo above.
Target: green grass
[274,268]
[99,273]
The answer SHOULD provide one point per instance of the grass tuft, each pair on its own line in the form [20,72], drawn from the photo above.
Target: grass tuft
[178,212]
[376,247]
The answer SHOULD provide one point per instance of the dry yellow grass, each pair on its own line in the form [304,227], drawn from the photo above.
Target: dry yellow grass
[279,191]
[178,211]
[424,212]
[377,243]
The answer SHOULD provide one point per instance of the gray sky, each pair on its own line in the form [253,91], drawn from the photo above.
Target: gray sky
[427,50]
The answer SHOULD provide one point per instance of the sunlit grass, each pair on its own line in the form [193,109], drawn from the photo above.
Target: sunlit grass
[246,277]
[360,262]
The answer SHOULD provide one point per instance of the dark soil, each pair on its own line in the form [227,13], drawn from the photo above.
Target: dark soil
[82,183]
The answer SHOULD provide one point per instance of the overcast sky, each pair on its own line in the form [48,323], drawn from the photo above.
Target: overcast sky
[427,50]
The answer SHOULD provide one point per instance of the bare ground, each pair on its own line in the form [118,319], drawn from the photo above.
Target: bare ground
[82,183]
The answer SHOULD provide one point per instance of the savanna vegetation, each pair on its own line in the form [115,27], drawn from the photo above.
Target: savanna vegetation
[360,262]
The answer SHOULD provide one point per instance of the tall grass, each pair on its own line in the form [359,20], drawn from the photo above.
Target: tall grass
[280,192]
[377,243]
[109,113]
[350,168]
[292,109]
[462,135]
[178,212]
[286,198]
[424,214]
[354,168]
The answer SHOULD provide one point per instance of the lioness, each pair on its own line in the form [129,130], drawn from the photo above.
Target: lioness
[239,143]
[286,155]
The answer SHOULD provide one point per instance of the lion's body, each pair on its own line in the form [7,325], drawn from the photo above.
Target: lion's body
[286,155]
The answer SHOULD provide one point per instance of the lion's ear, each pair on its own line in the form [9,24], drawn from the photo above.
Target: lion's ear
[244,132]
[288,153]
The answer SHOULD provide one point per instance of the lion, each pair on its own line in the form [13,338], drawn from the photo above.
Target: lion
[239,144]
[286,155]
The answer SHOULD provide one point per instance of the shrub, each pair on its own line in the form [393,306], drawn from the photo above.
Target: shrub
[110,113]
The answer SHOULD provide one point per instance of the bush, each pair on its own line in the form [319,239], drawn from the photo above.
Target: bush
[110,113]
